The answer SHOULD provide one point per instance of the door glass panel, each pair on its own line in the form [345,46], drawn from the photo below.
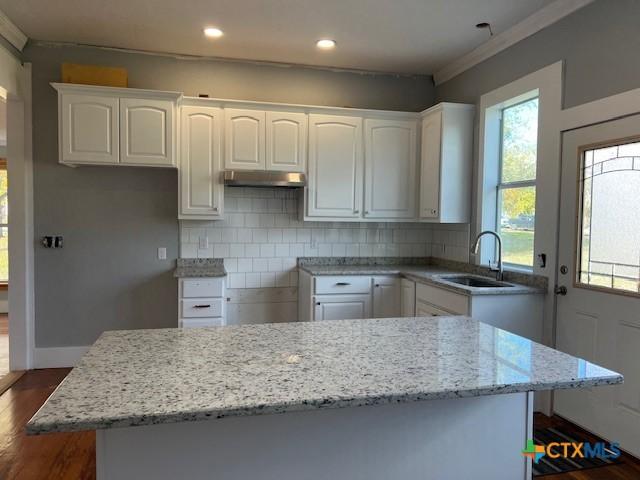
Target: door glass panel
[609,233]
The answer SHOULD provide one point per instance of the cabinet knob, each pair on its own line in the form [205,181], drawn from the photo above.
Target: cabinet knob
[356,211]
[317,303]
[215,209]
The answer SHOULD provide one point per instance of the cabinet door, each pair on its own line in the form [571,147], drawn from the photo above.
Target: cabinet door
[335,167]
[390,168]
[407,298]
[386,297]
[201,187]
[286,141]
[342,307]
[428,310]
[147,132]
[244,137]
[430,165]
[88,129]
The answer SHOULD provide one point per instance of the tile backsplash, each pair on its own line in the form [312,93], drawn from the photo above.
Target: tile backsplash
[262,237]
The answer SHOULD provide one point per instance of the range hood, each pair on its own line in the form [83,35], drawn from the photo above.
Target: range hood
[261,178]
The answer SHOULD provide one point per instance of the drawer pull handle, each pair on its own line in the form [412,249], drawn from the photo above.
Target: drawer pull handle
[202,306]
[342,284]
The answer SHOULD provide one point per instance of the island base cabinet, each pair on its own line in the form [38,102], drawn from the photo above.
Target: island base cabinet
[476,437]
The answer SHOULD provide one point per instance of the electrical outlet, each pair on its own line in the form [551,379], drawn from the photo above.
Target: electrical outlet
[162,253]
[203,243]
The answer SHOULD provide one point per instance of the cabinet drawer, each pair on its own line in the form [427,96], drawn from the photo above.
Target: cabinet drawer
[202,287]
[342,284]
[443,299]
[202,307]
[201,322]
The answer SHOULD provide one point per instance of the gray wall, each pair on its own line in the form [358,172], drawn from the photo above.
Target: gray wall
[113,219]
[599,43]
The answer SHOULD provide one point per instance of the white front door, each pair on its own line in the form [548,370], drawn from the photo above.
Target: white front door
[598,318]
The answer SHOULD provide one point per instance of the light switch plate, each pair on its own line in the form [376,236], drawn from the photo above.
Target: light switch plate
[162,253]
[203,243]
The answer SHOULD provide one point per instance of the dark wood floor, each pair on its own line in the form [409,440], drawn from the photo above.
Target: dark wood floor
[71,456]
[61,456]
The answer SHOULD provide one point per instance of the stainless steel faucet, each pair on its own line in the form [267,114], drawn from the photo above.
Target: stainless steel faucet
[476,244]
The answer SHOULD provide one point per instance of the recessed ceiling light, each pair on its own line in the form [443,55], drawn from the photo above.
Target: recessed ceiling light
[213,32]
[326,44]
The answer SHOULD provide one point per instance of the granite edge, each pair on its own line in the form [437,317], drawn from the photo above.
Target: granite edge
[36,428]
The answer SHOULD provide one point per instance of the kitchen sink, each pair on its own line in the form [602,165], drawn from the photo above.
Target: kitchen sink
[473,281]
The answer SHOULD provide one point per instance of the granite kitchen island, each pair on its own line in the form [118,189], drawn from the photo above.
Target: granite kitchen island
[430,398]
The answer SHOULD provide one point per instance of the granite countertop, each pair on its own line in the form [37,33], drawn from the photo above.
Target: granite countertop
[199,267]
[144,377]
[427,274]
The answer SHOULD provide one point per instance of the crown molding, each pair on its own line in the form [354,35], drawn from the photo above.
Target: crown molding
[534,23]
[12,33]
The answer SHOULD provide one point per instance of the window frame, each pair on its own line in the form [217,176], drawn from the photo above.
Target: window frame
[490,173]
[501,185]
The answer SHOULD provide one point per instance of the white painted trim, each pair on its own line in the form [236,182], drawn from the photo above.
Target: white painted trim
[58,357]
[21,246]
[534,23]
[548,82]
[11,32]
[115,91]
[602,110]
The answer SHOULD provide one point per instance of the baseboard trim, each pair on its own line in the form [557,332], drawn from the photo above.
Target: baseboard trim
[58,357]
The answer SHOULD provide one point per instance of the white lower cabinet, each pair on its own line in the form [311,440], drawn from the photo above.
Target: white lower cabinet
[424,309]
[407,298]
[201,302]
[342,307]
[341,297]
[521,314]
[386,297]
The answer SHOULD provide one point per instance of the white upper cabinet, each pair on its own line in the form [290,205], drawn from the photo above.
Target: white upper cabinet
[335,167]
[390,168]
[244,136]
[430,166]
[286,141]
[446,163]
[201,187]
[88,129]
[116,126]
[147,132]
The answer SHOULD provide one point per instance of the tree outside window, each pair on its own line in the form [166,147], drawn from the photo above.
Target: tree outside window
[517,186]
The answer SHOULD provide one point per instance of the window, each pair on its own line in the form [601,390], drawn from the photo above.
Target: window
[516,187]
[609,233]
[4,224]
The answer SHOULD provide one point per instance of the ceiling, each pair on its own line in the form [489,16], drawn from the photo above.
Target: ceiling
[403,36]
